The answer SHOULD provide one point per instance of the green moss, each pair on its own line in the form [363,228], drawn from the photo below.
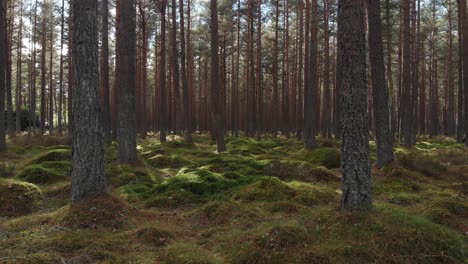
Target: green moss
[39,175]
[266,189]
[184,253]
[308,194]
[422,163]
[404,198]
[162,161]
[327,157]
[61,167]
[297,170]
[7,170]
[270,244]
[53,155]
[17,198]
[222,212]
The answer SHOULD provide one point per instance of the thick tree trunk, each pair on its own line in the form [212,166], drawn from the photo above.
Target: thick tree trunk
[218,119]
[383,136]
[126,86]
[88,179]
[353,106]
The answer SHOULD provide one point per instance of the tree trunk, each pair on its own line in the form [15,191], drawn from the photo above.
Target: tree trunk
[352,83]
[163,122]
[310,97]
[3,52]
[383,136]
[105,86]
[9,65]
[218,119]
[19,64]
[258,81]
[460,104]
[126,86]
[51,78]
[175,66]
[276,106]
[465,67]
[185,82]
[407,117]
[88,179]
[326,109]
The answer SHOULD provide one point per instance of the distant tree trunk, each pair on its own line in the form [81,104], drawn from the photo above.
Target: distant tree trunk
[326,109]
[433,93]
[60,110]
[355,162]
[218,119]
[43,72]
[163,122]
[465,68]
[71,74]
[258,82]
[105,86]
[276,103]
[300,83]
[185,82]
[460,121]
[422,93]
[388,25]
[126,86]
[407,117]
[451,90]
[19,64]
[9,64]
[3,52]
[88,179]
[175,64]
[310,98]
[51,79]
[384,140]
[414,70]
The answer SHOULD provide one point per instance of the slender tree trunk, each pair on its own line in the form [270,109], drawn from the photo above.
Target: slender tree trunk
[43,72]
[51,78]
[310,117]
[88,179]
[218,119]
[259,84]
[163,122]
[3,52]
[9,65]
[352,83]
[71,74]
[326,109]
[451,90]
[422,93]
[19,64]
[383,136]
[465,68]
[175,64]
[105,86]
[60,109]
[126,50]
[276,103]
[407,117]
[185,82]
[461,103]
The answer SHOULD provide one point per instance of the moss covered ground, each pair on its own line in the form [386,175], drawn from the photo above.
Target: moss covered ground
[268,201]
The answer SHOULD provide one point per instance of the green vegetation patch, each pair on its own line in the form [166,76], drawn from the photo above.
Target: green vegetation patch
[289,170]
[53,155]
[37,174]
[327,157]
[183,253]
[18,198]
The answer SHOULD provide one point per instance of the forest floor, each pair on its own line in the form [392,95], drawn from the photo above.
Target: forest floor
[267,201]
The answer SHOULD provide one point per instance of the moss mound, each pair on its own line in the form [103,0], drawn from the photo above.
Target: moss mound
[183,253]
[53,155]
[18,198]
[266,189]
[274,244]
[327,157]
[163,161]
[61,167]
[222,212]
[102,212]
[39,175]
[421,163]
[154,236]
[301,171]
[42,257]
